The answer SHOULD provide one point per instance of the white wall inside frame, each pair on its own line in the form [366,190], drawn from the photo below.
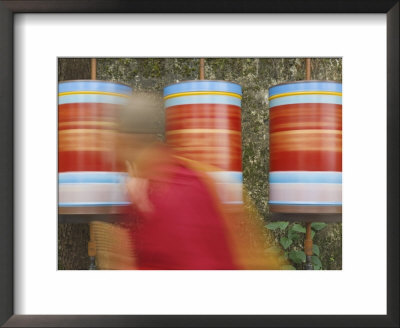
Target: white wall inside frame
[360,288]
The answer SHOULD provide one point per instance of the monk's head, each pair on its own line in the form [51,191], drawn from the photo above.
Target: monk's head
[139,127]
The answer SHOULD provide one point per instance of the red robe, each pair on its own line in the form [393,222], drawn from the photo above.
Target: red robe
[184,230]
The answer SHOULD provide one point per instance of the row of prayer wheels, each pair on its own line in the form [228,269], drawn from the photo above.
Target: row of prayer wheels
[203,124]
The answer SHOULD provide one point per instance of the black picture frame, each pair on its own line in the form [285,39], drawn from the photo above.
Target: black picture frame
[10,7]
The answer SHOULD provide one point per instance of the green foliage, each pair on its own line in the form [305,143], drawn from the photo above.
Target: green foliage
[316,262]
[318,225]
[285,242]
[315,249]
[297,256]
[277,225]
[292,240]
[298,228]
[293,235]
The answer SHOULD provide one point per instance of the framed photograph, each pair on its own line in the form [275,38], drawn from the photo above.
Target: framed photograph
[156,46]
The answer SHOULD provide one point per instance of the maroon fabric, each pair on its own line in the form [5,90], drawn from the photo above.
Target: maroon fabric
[184,230]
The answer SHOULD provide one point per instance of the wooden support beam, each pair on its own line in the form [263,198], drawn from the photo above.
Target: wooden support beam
[201,68]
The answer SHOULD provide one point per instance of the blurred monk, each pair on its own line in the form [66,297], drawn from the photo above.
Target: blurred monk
[178,226]
[181,224]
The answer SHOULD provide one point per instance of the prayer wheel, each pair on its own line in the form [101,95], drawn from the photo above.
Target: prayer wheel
[306,148]
[203,124]
[90,179]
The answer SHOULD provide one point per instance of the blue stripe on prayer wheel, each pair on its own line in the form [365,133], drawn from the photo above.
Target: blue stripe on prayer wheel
[87,85]
[329,86]
[304,99]
[203,99]
[203,85]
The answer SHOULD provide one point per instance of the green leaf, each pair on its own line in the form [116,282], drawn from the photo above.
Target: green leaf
[315,249]
[293,235]
[288,267]
[316,267]
[283,225]
[316,261]
[298,228]
[277,225]
[312,234]
[285,242]
[318,225]
[297,256]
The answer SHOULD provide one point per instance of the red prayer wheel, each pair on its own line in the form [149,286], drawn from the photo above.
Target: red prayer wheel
[306,148]
[89,175]
[203,123]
